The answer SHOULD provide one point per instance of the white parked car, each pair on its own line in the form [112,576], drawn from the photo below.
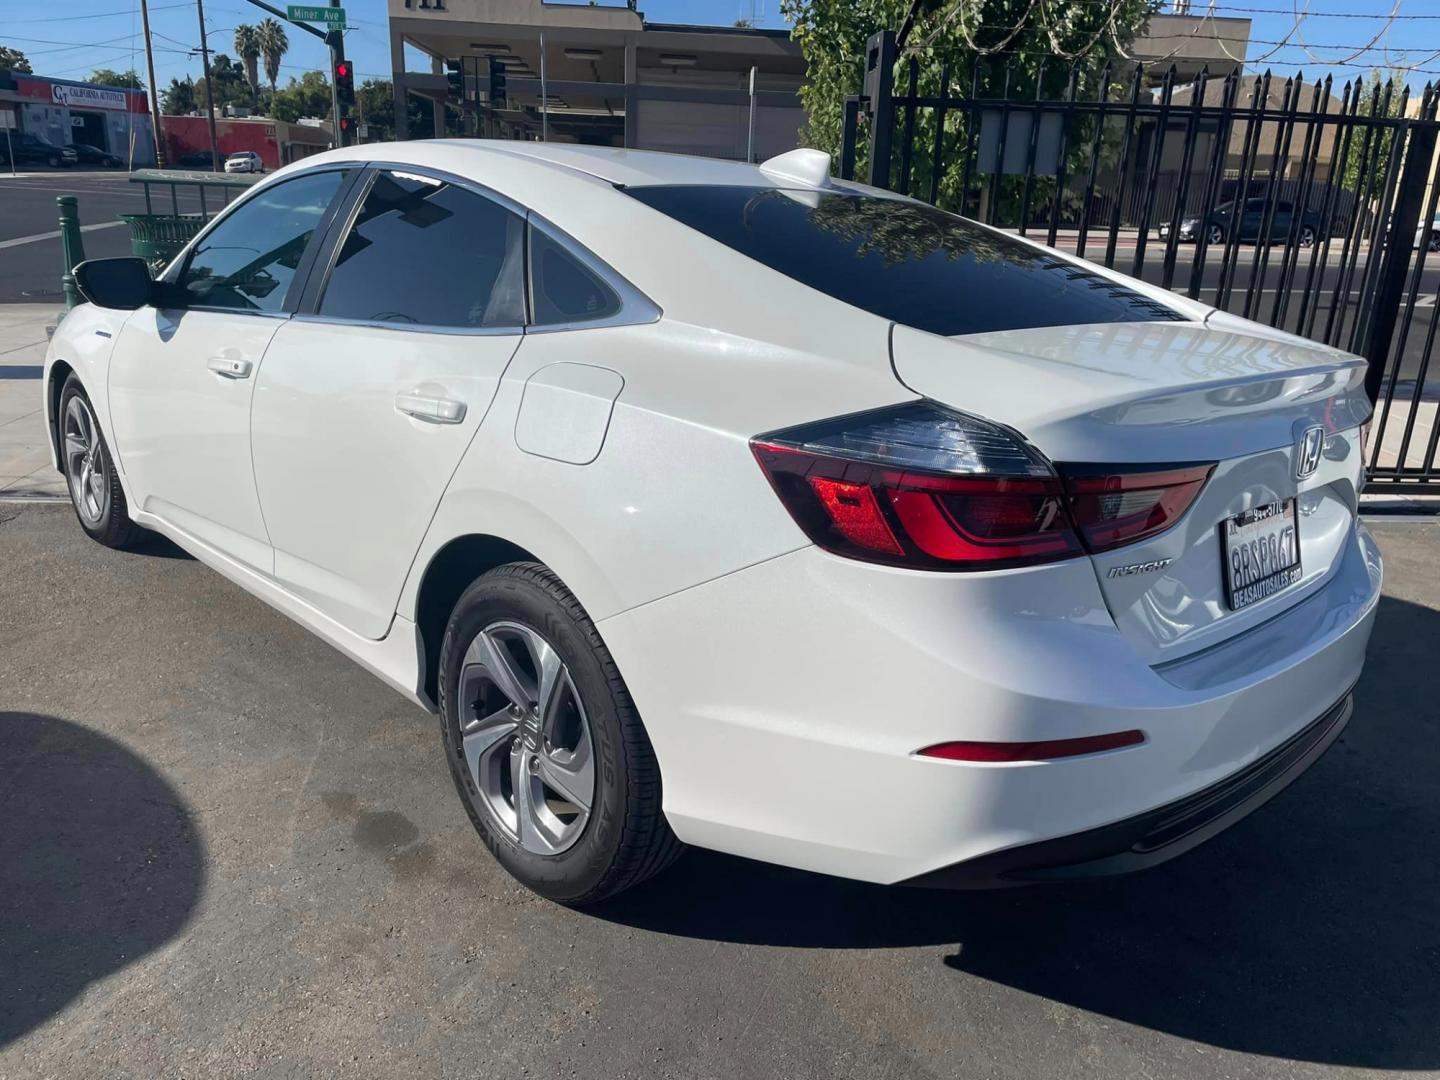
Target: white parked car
[734,506]
[244,161]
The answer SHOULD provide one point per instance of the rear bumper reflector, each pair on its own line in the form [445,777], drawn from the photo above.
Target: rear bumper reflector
[1032,751]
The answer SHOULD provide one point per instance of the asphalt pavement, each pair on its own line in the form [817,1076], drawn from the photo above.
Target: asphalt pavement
[227,851]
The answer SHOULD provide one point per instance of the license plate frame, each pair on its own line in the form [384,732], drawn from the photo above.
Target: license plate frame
[1260,553]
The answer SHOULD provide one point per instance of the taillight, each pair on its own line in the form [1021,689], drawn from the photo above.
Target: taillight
[922,486]
[1112,508]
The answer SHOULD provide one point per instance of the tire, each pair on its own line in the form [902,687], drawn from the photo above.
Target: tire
[53,161]
[95,492]
[1215,234]
[1434,241]
[1307,236]
[622,838]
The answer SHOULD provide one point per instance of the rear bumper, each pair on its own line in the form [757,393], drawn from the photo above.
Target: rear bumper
[786,704]
[1158,835]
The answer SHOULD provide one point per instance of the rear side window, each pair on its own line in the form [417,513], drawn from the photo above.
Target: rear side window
[903,261]
[248,261]
[423,252]
[563,290]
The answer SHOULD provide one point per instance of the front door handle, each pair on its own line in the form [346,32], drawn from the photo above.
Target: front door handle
[437,410]
[230,367]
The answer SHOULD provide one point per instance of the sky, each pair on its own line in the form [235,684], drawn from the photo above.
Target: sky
[70,38]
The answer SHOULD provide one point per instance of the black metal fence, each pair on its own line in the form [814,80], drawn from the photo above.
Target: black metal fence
[1278,200]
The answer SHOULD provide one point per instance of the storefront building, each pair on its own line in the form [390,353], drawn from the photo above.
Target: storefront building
[610,77]
[187,140]
[62,112]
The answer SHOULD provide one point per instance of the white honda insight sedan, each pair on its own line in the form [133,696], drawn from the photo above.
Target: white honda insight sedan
[732,505]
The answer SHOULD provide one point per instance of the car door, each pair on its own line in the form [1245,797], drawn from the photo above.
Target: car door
[1252,218]
[369,397]
[181,379]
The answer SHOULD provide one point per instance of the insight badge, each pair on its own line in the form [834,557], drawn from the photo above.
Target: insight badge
[1139,568]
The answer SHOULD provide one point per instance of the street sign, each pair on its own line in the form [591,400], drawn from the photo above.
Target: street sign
[331,16]
[7,119]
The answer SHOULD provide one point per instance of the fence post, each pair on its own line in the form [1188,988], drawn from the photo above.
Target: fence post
[1390,285]
[72,247]
[879,87]
[847,138]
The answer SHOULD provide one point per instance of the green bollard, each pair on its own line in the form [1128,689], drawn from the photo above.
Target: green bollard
[72,246]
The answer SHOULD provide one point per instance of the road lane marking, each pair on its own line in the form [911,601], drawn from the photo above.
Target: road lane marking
[56,234]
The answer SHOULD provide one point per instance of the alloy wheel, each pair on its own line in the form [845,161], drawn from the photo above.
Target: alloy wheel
[526,737]
[1216,234]
[1435,240]
[1307,237]
[85,465]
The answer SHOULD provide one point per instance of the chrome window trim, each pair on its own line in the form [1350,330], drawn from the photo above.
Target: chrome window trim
[427,328]
[371,170]
[636,309]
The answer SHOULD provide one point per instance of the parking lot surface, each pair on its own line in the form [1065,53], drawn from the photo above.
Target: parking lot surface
[227,851]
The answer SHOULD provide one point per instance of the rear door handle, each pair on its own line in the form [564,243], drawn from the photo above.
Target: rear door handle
[437,410]
[230,367]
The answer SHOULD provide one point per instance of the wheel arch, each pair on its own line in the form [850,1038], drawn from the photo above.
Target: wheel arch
[59,373]
[449,573]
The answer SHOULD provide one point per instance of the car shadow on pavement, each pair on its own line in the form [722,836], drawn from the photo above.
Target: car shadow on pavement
[1309,931]
[100,863]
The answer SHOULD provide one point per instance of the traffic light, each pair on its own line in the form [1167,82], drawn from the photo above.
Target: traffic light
[347,127]
[345,82]
[497,83]
[455,78]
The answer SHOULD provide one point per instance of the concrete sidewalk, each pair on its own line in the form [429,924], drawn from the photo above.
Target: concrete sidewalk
[25,469]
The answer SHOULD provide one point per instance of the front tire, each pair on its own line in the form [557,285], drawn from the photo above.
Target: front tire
[95,492]
[545,746]
[1215,235]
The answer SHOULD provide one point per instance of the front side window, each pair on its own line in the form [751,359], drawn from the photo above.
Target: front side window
[248,261]
[904,261]
[424,252]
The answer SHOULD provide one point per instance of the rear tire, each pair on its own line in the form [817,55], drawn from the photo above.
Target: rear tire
[553,844]
[1307,236]
[95,492]
[1215,235]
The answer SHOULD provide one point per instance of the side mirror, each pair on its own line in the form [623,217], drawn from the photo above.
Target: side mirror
[124,284]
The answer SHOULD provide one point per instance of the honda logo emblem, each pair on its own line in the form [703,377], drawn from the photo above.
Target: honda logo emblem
[1308,449]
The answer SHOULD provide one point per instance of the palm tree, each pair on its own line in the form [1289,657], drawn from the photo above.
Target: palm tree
[247,47]
[273,45]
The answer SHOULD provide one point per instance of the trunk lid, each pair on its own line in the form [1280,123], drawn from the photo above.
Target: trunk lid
[1151,394]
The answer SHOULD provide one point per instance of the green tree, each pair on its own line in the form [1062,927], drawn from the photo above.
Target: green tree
[247,48]
[13,60]
[110,77]
[308,95]
[273,46]
[376,98]
[178,98]
[993,45]
[1365,167]
[227,83]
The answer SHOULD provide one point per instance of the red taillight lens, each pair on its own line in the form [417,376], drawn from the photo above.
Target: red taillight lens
[1113,508]
[920,486]
[1044,750]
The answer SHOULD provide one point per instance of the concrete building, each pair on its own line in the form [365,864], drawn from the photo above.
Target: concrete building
[611,77]
[1192,43]
[277,142]
[64,111]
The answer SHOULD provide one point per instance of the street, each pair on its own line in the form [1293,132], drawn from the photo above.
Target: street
[229,851]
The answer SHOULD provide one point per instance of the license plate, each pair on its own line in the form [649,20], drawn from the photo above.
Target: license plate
[1261,548]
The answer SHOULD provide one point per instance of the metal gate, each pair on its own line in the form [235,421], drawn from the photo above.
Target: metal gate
[1276,200]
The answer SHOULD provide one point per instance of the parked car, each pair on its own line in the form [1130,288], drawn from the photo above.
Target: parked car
[201,159]
[1428,236]
[736,506]
[244,161]
[93,155]
[33,150]
[1220,224]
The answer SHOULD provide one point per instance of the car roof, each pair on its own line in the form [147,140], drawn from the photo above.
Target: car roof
[613,165]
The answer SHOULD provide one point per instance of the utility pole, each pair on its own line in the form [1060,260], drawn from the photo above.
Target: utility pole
[336,40]
[209,96]
[154,90]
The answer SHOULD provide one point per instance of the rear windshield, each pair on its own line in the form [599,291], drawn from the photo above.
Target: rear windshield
[903,261]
